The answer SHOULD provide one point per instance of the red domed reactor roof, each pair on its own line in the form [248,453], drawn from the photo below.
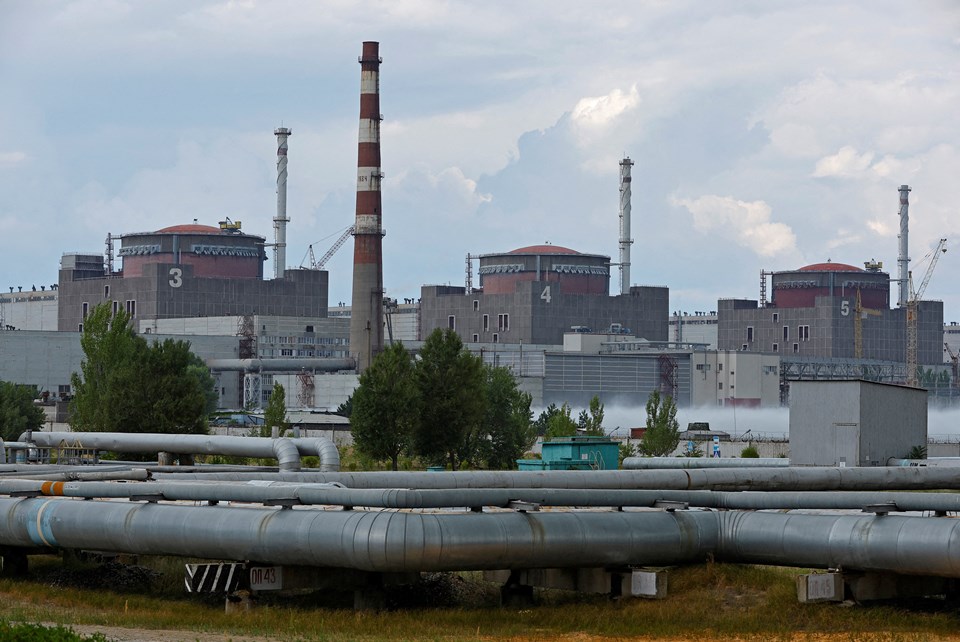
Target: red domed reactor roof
[829,267]
[191,228]
[543,249]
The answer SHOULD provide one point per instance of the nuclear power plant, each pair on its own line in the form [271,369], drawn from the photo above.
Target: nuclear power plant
[544,310]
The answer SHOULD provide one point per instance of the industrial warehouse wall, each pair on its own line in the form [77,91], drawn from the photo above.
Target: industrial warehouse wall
[617,379]
[329,390]
[47,359]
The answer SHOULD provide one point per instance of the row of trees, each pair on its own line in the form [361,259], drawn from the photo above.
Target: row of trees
[129,385]
[446,407]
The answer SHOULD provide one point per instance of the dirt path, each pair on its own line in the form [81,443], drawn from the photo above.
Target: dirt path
[119,634]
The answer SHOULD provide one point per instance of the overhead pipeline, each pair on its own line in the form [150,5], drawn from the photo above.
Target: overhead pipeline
[385,541]
[662,463]
[732,479]
[402,498]
[287,451]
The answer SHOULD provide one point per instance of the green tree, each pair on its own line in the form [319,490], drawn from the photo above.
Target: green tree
[126,385]
[663,431]
[591,423]
[543,419]
[750,452]
[17,411]
[166,396]
[109,386]
[275,414]
[346,408]
[385,406]
[507,422]
[560,424]
[449,382]
[199,371]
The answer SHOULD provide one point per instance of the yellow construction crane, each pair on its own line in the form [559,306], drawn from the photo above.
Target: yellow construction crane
[859,313]
[912,310]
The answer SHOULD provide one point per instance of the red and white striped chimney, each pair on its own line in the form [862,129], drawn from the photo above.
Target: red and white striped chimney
[366,322]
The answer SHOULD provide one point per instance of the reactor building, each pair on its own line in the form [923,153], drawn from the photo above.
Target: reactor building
[826,311]
[536,294]
[186,271]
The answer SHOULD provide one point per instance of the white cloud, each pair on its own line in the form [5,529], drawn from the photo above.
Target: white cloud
[745,222]
[845,163]
[599,111]
[456,192]
[11,159]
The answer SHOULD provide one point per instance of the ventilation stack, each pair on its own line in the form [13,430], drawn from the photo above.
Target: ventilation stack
[281,220]
[903,259]
[625,240]
[366,317]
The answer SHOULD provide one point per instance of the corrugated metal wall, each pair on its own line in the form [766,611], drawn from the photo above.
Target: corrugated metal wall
[627,380]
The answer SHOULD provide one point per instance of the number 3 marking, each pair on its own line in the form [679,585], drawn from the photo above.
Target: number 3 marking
[176,279]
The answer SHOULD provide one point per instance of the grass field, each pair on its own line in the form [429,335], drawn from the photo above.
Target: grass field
[711,601]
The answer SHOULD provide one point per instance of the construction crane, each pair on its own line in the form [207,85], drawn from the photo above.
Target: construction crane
[318,265]
[954,363]
[913,309]
[859,314]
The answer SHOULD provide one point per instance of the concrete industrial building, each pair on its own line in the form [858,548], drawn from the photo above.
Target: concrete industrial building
[698,327]
[815,311]
[186,271]
[30,310]
[535,294]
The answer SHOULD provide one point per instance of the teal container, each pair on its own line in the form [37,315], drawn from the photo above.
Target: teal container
[575,453]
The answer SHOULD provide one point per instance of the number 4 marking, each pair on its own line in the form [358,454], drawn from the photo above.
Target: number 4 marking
[545,295]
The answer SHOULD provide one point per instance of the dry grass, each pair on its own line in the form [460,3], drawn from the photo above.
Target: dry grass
[711,601]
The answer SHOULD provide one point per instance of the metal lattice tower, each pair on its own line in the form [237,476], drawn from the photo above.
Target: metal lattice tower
[305,394]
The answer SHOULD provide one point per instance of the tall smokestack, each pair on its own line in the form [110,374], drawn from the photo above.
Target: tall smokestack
[903,259]
[366,322]
[625,240]
[280,220]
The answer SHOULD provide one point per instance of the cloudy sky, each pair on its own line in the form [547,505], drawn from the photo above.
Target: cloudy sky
[766,135]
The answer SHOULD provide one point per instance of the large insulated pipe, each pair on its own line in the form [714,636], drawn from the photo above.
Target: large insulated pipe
[386,541]
[904,545]
[625,240]
[733,479]
[406,499]
[665,463]
[98,472]
[286,451]
[366,316]
[281,220]
[903,258]
[368,541]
